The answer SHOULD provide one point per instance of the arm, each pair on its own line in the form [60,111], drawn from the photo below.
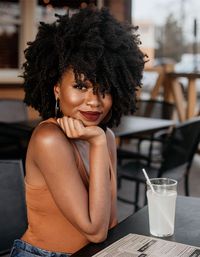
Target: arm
[113,154]
[89,211]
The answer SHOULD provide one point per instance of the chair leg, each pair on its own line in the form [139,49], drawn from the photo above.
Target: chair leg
[137,188]
[186,185]
[150,151]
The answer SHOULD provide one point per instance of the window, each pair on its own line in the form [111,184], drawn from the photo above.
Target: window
[9,34]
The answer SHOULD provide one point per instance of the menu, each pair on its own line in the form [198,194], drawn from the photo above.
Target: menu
[134,245]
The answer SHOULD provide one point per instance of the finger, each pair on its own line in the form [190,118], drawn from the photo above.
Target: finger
[66,124]
[62,125]
[58,121]
[79,127]
[72,127]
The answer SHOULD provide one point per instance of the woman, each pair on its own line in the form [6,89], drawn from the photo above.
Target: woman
[81,74]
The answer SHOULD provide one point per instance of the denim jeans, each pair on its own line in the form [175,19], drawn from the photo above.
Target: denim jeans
[23,249]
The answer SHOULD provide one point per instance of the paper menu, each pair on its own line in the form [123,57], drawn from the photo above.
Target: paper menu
[134,245]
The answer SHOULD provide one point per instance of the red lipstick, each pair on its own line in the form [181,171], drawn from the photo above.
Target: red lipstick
[91,116]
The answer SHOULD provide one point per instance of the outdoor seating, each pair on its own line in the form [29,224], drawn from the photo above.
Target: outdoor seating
[154,109]
[177,155]
[150,109]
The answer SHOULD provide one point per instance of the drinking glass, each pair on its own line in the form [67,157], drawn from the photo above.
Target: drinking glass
[161,206]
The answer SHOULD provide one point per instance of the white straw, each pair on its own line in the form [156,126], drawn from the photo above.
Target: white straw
[148,180]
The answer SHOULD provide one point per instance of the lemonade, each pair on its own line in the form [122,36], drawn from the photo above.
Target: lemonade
[161,207]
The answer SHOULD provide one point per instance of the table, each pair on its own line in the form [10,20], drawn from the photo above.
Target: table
[135,126]
[177,94]
[187,227]
[169,80]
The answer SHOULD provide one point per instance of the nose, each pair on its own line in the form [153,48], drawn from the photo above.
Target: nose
[93,99]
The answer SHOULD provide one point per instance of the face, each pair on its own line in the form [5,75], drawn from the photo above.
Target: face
[78,101]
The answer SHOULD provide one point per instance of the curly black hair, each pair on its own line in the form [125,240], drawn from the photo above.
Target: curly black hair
[95,44]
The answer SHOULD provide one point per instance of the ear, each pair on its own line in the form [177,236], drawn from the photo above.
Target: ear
[57,91]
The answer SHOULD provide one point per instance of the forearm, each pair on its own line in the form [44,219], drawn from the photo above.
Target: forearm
[99,188]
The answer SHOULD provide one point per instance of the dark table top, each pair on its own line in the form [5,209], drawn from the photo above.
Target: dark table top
[133,125]
[187,226]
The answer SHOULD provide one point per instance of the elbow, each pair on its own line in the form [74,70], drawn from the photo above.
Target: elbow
[98,237]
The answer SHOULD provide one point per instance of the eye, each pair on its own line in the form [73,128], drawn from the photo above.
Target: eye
[81,86]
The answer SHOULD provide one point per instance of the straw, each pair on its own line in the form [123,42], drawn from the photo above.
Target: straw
[148,180]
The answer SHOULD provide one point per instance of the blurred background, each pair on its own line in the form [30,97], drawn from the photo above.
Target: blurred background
[169,32]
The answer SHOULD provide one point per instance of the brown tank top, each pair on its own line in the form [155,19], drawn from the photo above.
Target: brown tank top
[48,228]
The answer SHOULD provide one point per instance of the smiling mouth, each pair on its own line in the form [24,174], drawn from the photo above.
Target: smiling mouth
[91,116]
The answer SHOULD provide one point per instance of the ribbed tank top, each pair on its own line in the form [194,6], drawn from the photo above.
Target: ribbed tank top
[47,227]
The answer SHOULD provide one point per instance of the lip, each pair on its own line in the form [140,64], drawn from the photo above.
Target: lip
[91,116]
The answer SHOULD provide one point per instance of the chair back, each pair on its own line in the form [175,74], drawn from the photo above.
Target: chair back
[13,219]
[154,109]
[13,110]
[181,145]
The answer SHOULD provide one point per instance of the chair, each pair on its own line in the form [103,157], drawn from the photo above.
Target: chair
[154,109]
[177,155]
[11,110]
[13,219]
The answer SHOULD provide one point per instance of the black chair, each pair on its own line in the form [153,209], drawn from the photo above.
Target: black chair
[177,155]
[11,110]
[13,219]
[153,109]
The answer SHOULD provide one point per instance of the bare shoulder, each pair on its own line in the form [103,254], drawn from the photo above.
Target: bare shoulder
[48,139]
[49,150]
[48,133]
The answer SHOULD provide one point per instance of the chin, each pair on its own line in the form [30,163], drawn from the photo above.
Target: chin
[90,123]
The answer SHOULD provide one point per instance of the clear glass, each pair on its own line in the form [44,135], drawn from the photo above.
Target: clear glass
[161,206]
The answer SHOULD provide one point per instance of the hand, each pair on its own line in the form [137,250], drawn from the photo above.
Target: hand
[74,128]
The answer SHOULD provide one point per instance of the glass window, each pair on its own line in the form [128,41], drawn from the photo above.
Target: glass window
[9,34]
